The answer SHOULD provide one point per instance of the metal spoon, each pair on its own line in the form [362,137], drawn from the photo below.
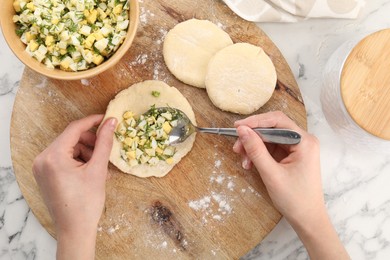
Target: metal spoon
[185,128]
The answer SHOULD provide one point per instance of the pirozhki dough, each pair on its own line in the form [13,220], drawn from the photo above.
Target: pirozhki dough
[188,48]
[139,98]
[240,78]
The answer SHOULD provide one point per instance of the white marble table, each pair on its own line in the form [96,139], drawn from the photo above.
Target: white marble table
[356,183]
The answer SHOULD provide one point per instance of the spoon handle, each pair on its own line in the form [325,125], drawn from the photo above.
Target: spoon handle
[269,135]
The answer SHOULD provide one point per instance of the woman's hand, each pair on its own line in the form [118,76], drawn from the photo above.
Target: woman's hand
[71,173]
[292,176]
[291,173]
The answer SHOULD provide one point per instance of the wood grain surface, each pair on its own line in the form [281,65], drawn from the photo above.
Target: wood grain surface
[161,217]
[365,83]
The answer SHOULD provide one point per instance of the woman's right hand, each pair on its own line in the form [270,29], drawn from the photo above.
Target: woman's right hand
[291,174]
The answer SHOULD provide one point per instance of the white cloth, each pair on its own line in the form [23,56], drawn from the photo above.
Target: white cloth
[294,10]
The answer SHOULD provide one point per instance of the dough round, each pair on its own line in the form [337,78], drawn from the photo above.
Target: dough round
[138,99]
[188,48]
[240,78]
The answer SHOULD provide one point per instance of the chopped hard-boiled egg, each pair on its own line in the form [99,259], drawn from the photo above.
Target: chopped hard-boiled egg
[33,45]
[101,44]
[144,138]
[76,34]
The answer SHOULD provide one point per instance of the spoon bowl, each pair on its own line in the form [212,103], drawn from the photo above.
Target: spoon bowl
[184,128]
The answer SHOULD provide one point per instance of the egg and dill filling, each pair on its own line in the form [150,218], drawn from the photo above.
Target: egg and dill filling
[145,138]
[73,35]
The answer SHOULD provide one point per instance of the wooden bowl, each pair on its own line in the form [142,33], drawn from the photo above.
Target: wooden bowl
[18,47]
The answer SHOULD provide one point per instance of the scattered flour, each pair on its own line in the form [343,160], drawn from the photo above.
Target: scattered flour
[49,96]
[123,73]
[155,240]
[212,206]
[85,82]
[220,25]
[120,222]
[220,179]
[223,178]
[163,33]
[230,185]
[139,60]
[111,230]
[156,71]
[164,244]
[201,204]
[217,203]
[42,84]
[222,200]
[217,163]
[145,15]
[217,217]
[252,190]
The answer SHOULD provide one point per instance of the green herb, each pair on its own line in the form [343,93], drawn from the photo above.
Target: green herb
[46,16]
[110,36]
[19,32]
[73,26]
[80,15]
[77,60]
[94,27]
[42,29]
[96,50]
[71,48]
[39,40]
[61,57]
[56,37]
[24,8]
[155,93]
[126,6]
[80,39]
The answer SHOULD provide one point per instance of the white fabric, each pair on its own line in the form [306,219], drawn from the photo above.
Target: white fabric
[294,10]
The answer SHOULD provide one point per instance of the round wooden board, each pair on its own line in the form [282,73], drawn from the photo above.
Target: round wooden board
[161,217]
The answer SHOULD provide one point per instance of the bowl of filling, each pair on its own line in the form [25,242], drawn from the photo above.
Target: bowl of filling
[69,39]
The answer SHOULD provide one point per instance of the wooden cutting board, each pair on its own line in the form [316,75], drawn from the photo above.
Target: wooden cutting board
[207,206]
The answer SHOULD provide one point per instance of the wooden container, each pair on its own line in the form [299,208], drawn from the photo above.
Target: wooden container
[356,92]
[18,47]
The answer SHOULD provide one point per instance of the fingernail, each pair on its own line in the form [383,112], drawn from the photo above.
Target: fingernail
[245,164]
[243,133]
[235,145]
[112,123]
[236,123]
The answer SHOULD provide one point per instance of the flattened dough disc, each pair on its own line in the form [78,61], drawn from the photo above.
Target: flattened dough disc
[240,78]
[188,48]
[138,98]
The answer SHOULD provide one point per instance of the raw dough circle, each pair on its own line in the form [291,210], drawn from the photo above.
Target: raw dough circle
[240,78]
[138,99]
[188,48]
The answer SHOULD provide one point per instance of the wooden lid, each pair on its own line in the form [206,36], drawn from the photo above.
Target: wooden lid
[365,84]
